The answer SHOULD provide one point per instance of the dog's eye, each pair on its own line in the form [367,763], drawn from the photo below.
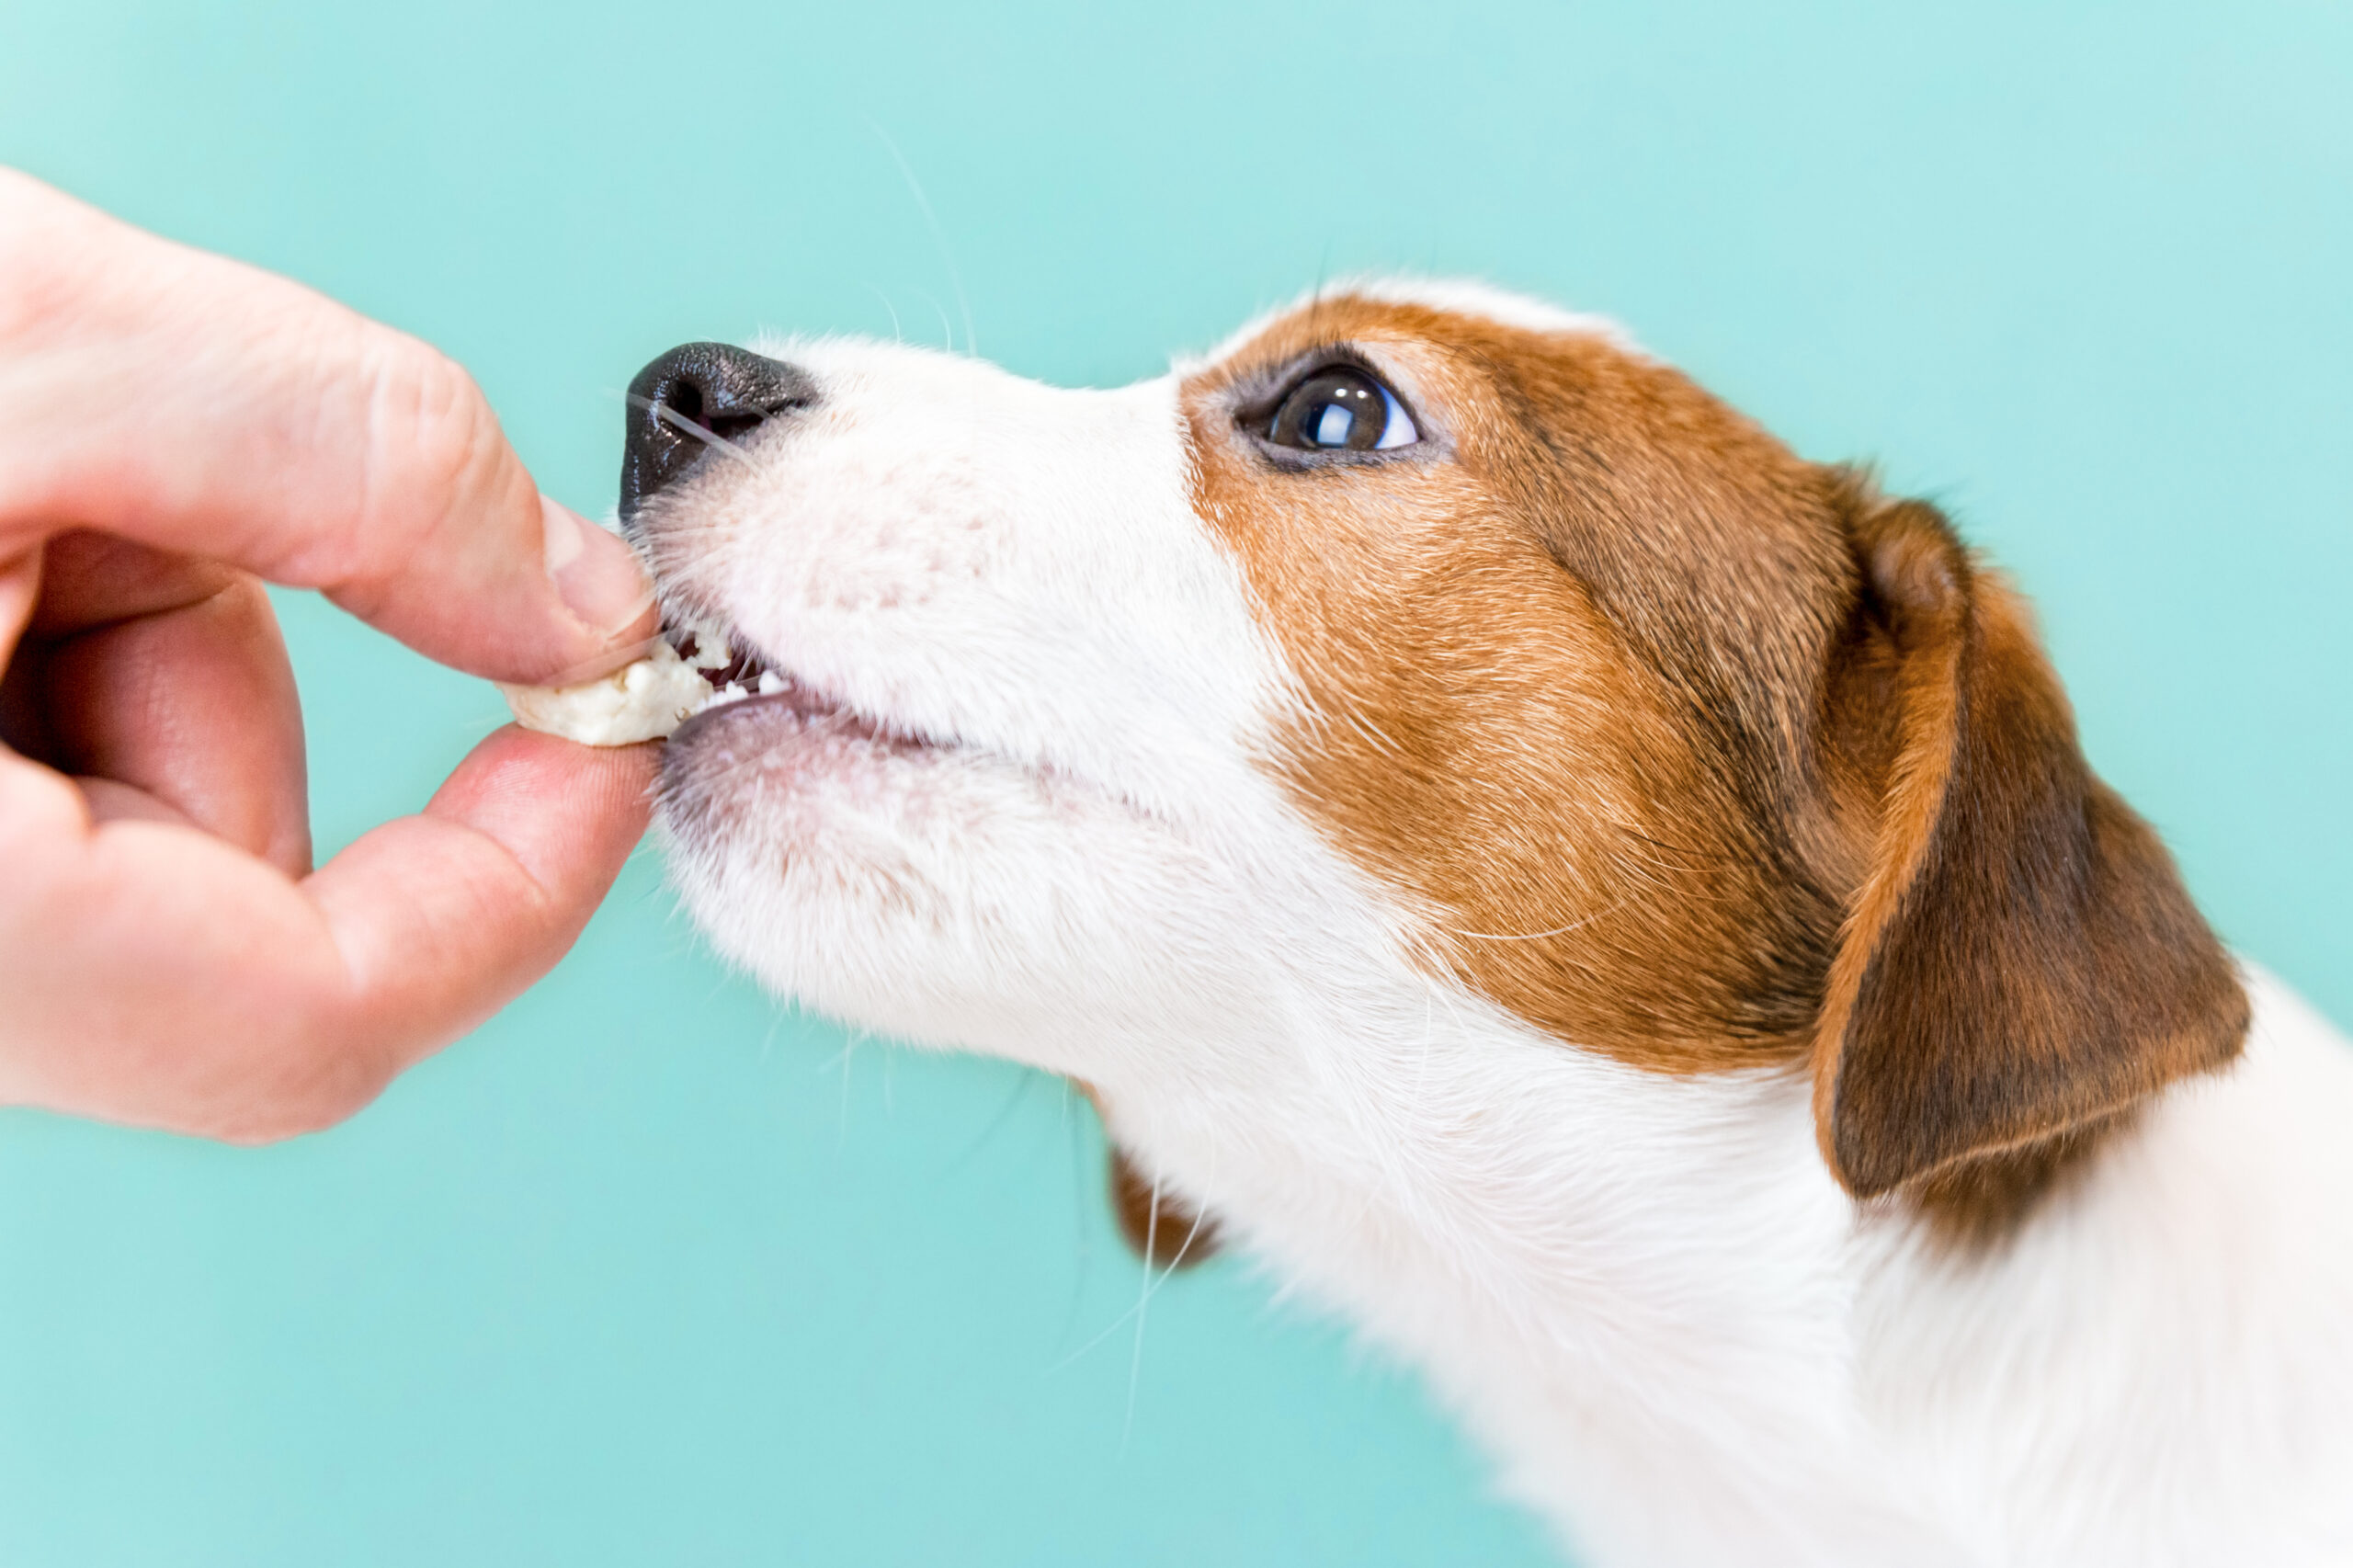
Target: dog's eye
[1340,408]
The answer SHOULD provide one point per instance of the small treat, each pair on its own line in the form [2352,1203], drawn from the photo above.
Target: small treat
[644,702]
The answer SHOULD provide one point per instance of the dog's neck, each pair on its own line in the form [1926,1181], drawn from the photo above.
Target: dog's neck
[1685,1343]
[1635,1287]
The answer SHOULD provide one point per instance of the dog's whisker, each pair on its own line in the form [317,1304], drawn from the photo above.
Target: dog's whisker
[946,332]
[1152,1285]
[939,237]
[1143,1301]
[897,335]
[685,426]
[1372,733]
[1422,1060]
[1537,935]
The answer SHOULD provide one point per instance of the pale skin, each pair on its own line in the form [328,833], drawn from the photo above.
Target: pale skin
[175,430]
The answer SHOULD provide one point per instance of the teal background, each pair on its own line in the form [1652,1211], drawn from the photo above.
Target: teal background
[649,1271]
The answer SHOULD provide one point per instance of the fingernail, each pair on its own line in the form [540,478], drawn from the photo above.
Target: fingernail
[598,576]
[604,664]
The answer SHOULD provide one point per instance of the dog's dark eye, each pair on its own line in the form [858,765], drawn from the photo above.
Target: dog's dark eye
[1340,408]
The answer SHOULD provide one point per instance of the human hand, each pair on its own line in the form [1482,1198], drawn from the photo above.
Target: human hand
[176,429]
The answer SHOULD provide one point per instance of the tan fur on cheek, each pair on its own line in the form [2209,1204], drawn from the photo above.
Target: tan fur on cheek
[1480,732]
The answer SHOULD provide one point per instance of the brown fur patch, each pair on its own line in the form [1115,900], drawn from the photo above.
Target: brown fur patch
[1156,1225]
[1560,678]
[1697,754]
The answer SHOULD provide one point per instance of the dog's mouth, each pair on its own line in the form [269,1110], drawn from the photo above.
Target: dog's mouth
[744,682]
[730,664]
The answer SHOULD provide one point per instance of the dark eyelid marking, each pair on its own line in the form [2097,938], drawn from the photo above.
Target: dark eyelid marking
[1257,393]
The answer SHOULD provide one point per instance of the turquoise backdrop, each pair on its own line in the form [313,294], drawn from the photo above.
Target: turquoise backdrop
[649,1271]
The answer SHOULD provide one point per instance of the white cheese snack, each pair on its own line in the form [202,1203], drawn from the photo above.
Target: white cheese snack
[644,702]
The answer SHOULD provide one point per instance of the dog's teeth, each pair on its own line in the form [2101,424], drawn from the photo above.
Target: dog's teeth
[732,692]
[708,640]
[771,683]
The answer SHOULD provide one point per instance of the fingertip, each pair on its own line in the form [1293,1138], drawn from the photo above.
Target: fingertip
[598,575]
[570,813]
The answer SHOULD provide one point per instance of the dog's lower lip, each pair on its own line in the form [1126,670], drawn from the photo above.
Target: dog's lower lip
[809,705]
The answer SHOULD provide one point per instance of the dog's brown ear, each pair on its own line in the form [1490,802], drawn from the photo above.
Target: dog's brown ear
[2020,960]
[1159,1227]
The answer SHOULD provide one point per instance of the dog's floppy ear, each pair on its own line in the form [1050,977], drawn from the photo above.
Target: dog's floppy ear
[2020,960]
[1157,1226]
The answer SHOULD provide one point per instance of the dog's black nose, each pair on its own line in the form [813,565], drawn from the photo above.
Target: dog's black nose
[695,394]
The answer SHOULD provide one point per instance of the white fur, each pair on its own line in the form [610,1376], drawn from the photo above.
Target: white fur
[1462,296]
[1683,1343]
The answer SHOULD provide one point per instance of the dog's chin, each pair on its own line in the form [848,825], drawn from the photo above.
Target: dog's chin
[937,893]
[808,841]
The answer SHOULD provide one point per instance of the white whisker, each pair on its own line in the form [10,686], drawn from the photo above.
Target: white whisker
[939,238]
[896,335]
[1152,1284]
[1537,936]
[947,331]
[1372,733]
[678,421]
[1143,1300]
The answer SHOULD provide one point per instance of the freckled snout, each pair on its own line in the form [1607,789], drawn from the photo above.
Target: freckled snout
[693,393]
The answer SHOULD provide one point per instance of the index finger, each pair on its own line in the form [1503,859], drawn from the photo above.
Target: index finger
[205,407]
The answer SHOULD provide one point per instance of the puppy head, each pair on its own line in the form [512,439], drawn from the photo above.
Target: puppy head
[1681,749]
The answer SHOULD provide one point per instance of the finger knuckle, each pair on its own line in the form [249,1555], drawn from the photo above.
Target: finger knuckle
[428,421]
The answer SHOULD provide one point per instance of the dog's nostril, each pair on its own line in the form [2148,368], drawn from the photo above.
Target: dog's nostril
[696,392]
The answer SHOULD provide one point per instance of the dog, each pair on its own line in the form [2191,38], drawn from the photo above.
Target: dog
[1616,909]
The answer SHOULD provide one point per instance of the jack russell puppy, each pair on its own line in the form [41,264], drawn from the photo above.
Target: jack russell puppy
[1616,909]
